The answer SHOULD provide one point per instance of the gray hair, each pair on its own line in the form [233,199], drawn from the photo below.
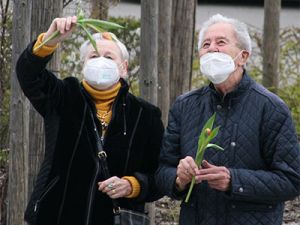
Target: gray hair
[240,28]
[100,36]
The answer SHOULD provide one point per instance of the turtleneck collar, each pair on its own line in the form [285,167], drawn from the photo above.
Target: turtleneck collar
[103,99]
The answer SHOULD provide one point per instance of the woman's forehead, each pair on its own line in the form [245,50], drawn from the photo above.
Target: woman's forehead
[107,46]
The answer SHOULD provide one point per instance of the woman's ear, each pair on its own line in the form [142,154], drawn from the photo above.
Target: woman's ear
[124,69]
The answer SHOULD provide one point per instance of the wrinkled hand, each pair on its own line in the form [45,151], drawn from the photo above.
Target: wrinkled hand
[64,25]
[218,177]
[115,187]
[186,169]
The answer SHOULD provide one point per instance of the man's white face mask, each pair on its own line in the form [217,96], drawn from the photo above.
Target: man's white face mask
[217,66]
[101,73]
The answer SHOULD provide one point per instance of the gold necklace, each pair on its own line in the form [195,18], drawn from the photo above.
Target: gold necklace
[102,118]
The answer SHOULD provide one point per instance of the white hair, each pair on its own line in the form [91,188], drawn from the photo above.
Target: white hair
[240,28]
[100,36]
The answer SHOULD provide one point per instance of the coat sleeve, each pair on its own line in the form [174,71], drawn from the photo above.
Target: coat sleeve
[280,149]
[170,154]
[149,191]
[39,85]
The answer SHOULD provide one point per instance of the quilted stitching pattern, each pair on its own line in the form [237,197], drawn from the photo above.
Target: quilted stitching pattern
[261,151]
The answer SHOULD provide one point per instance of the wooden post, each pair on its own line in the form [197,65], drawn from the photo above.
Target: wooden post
[40,23]
[149,49]
[164,56]
[19,117]
[271,44]
[183,28]
[30,18]
[99,9]
[149,45]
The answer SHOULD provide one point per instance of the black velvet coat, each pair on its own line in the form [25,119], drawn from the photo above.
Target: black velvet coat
[66,187]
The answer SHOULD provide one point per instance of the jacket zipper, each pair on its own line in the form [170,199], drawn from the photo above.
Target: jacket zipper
[69,167]
[131,139]
[49,187]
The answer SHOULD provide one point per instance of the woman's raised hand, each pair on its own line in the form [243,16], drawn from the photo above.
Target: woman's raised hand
[64,25]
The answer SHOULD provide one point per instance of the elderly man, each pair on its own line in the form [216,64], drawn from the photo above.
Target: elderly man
[259,169]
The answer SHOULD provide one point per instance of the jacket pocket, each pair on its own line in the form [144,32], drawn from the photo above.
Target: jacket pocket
[247,206]
[48,188]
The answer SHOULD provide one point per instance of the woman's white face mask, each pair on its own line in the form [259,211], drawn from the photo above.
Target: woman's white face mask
[101,73]
[217,66]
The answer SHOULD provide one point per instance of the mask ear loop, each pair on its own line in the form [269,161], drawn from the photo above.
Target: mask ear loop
[238,55]
[236,58]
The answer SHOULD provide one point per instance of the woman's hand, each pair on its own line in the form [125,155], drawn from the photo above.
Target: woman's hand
[115,187]
[64,25]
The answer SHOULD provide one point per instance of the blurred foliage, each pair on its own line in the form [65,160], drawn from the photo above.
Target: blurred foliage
[5,71]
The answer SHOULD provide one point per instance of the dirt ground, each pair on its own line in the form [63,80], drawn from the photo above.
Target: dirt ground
[167,212]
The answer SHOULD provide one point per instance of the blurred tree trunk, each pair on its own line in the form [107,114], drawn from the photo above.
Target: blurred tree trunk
[271,44]
[148,74]
[40,23]
[99,9]
[30,18]
[149,50]
[4,69]
[164,56]
[183,28]
[19,117]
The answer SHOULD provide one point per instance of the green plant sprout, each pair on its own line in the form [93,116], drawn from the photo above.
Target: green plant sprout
[207,134]
[95,24]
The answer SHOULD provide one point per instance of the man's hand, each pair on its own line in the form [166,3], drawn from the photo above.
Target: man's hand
[218,177]
[186,169]
[64,26]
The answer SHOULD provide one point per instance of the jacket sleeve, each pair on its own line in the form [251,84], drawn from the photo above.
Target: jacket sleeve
[170,154]
[280,149]
[149,191]
[39,85]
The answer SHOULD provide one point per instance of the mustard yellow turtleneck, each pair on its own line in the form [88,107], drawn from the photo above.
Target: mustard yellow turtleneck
[103,101]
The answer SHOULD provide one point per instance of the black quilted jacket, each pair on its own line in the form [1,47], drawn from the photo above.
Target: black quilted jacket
[261,152]
[66,192]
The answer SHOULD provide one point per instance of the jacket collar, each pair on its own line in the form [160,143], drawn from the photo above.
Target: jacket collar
[241,87]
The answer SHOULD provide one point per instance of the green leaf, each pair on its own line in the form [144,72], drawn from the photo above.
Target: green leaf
[52,36]
[215,146]
[90,37]
[101,23]
[199,157]
[95,28]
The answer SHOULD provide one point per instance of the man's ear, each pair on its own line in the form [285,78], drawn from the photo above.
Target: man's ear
[244,57]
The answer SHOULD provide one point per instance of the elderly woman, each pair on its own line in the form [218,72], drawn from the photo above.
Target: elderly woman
[71,187]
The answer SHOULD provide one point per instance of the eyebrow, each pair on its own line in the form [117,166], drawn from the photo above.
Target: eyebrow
[106,52]
[217,38]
